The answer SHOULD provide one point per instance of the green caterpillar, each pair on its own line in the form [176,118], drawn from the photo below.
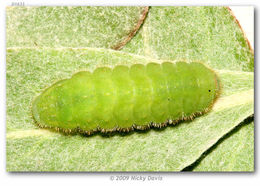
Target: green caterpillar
[125,98]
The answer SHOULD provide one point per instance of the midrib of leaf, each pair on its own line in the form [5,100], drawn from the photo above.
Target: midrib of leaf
[29,133]
[234,100]
[237,99]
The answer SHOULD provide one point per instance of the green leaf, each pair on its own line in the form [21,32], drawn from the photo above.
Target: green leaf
[209,34]
[108,27]
[173,148]
[235,152]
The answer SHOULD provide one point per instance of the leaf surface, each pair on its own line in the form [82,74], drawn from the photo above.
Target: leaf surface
[234,153]
[83,26]
[208,34]
[30,70]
